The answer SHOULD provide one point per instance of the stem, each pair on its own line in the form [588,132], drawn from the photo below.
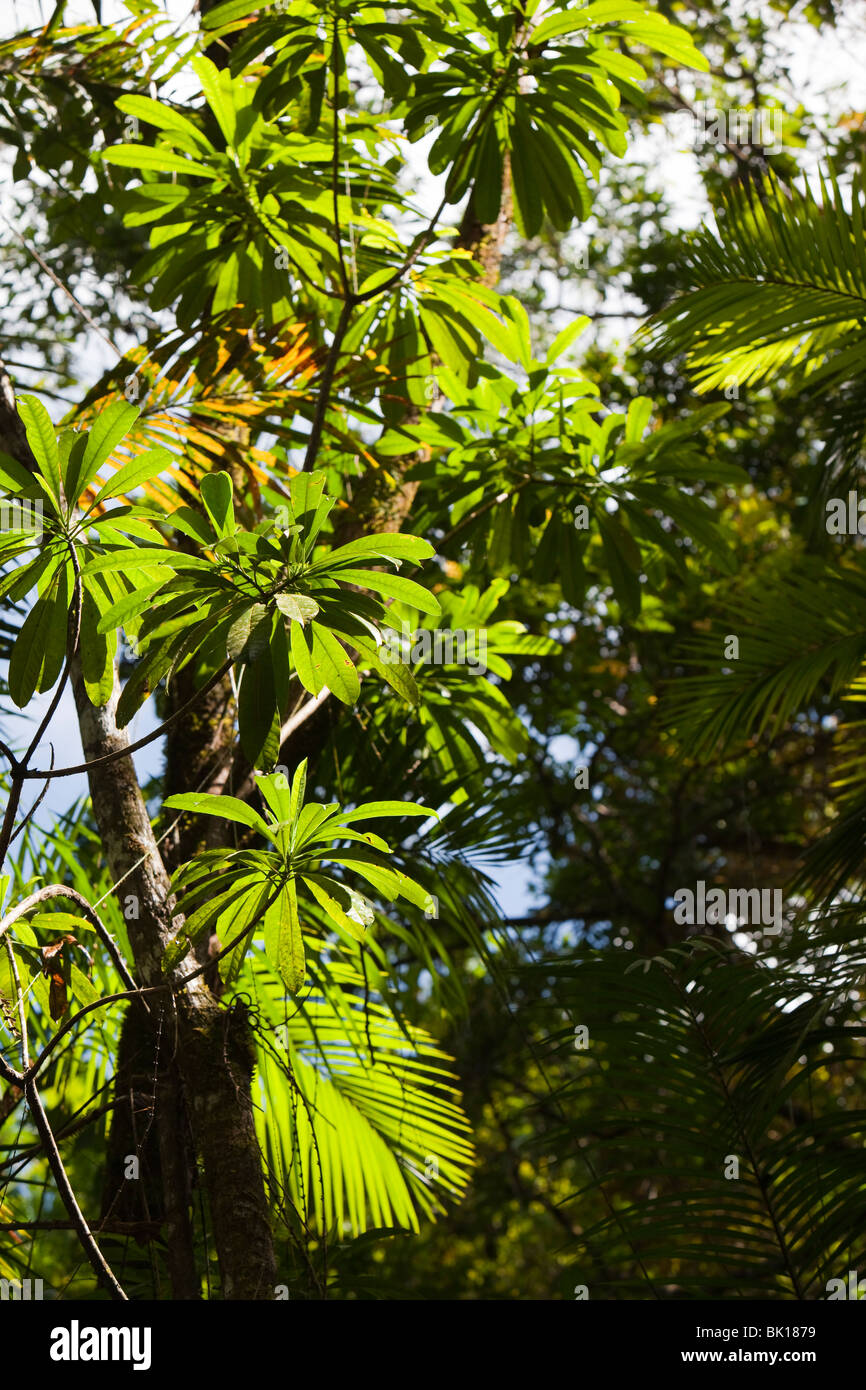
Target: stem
[327,382]
[88,1009]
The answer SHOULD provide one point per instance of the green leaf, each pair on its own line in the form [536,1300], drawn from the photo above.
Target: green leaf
[136,557]
[391,546]
[42,438]
[137,471]
[164,117]
[284,942]
[129,606]
[97,653]
[395,673]
[226,807]
[298,608]
[333,665]
[60,922]
[299,788]
[40,646]
[161,158]
[563,341]
[333,908]
[81,987]
[392,586]
[13,475]
[111,426]
[216,493]
[302,643]
[257,709]
[216,86]
[373,810]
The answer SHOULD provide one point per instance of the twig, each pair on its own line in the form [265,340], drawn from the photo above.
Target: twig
[100,1266]
[327,382]
[88,1009]
[147,1229]
[55,1162]
[59,890]
[36,773]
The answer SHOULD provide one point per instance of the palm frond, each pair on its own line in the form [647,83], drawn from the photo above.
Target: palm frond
[207,402]
[704,1109]
[777,293]
[798,636]
[360,1122]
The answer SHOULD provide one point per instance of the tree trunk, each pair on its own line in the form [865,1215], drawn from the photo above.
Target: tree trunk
[212,1047]
[204,1064]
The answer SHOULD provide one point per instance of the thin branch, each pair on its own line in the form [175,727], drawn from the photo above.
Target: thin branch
[324,396]
[335,157]
[9,756]
[36,773]
[34,808]
[10,1074]
[146,1230]
[60,285]
[59,890]
[89,1009]
[303,714]
[97,1260]
[55,1162]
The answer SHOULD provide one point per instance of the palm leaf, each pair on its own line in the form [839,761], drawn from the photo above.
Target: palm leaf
[777,292]
[359,1122]
[697,1058]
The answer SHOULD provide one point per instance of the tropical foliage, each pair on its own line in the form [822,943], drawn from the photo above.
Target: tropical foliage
[365,571]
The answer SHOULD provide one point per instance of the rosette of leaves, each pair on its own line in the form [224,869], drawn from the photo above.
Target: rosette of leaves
[269,601]
[50,534]
[234,892]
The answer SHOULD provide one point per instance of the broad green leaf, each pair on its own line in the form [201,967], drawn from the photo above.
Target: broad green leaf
[136,557]
[333,908]
[164,117]
[299,788]
[216,493]
[299,608]
[334,665]
[42,438]
[97,653]
[111,426]
[391,546]
[217,89]
[137,471]
[163,159]
[563,340]
[257,710]
[393,586]
[60,922]
[226,807]
[40,647]
[284,942]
